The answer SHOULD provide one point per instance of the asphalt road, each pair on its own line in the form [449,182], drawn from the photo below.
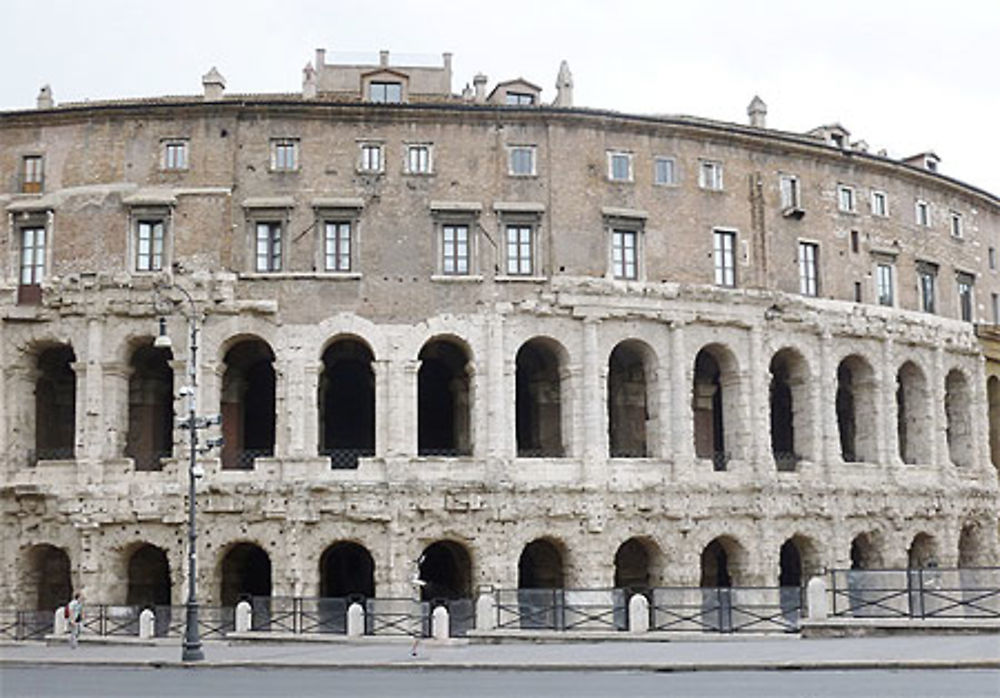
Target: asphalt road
[116,682]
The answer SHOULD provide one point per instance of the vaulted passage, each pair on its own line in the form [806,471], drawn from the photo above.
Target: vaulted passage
[48,575]
[539,400]
[973,549]
[347,569]
[789,401]
[957,409]
[246,571]
[446,569]
[637,566]
[713,404]
[150,408]
[715,564]
[856,414]
[629,400]
[922,552]
[148,577]
[993,396]
[913,415]
[540,566]
[55,404]
[790,561]
[347,404]
[865,554]
[248,404]
[444,400]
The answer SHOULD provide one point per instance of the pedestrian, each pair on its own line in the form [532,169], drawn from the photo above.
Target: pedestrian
[74,613]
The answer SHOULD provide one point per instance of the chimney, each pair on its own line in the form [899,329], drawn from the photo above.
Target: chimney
[309,82]
[383,59]
[320,58]
[757,111]
[214,85]
[44,100]
[564,87]
[480,84]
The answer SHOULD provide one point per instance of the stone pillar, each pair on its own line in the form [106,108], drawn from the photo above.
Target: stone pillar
[310,411]
[486,610]
[758,419]
[282,401]
[355,620]
[495,416]
[572,415]
[403,395]
[116,408]
[681,417]
[19,426]
[147,624]
[594,407]
[244,616]
[888,436]
[91,397]
[816,601]
[440,624]
[939,418]
[828,446]
[662,446]
[638,614]
[508,437]
[298,403]
[383,416]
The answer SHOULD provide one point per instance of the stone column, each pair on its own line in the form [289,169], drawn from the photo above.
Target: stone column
[939,418]
[663,445]
[828,446]
[297,405]
[282,401]
[383,416]
[759,405]
[681,417]
[405,412]
[888,435]
[495,413]
[508,394]
[91,398]
[594,407]
[116,408]
[19,431]
[309,410]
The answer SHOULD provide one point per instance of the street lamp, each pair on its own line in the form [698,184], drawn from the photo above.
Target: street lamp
[191,647]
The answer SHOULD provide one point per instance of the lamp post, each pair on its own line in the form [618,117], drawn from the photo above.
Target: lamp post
[191,647]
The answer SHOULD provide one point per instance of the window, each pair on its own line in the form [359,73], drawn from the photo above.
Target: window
[337,246]
[995,298]
[149,245]
[418,159]
[519,99]
[964,282]
[619,166]
[927,280]
[922,213]
[521,160]
[624,254]
[857,291]
[371,157]
[268,246]
[710,175]
[725,259]
[175,155]
[32,255]
[520,250]
[809,268]
[789,185]
[455,249]
[883,284]
[992,256]
[956,224]
[665,171]
[385,92]
[880,204]
[284,155]
[31,174]
[855,241]
[845,198]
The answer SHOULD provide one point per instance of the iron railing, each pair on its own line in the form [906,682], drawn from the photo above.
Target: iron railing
[963,592]
[244,459]
[720,461]
[346,458]
[150,461]
[786,461]
[444,452]
[26,625]
[726,609]
[562,609]
[397,617]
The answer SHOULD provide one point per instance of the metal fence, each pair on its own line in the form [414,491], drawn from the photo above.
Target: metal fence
[562,609]
[963,592]
[726,609]
[26,625]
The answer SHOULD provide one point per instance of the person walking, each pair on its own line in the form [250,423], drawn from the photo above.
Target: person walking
[74,613]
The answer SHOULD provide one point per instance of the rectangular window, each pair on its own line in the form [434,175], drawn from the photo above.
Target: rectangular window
[855,241]
[418,159]
[992,255]
[619,166]
[521,160]
[964,282]
[455,249]
[845,199]
[789,192]
[624,257]
[857,291]
[725,258]
[995,297]
[149,245]
[956,224]
[922,213]
[284,155]
[385,92]
[927,279]
[31,174]
[520,99]
[665,171]
[880,204]
[710,175]
[883,284]
[32,255]
[268,246]
[809,268]
[337,246]
[371,157]
[175,155]
[519,250]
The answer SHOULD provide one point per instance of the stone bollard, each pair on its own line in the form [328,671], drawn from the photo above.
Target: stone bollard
[244,615]
[486,610]
[440,629]
[147,624]
[638,614]
[61,624]
[816,602]
[355,620]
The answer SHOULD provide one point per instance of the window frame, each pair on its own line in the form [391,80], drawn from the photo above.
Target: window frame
[670,181]
[280,149]
[32,176]
[338,224]
[169,150]
[40,256]
[519,258]
[879,211]
[408,151]
[956,225]
[885,288]
[808,261]
[365,151]
[519,99]
[623,269]
[710,175]
[628,158]
[454,258]
[384,98]
[847,198]
[512,158]
[964,290]
[273,242]
[922,213]
[790,195]
[927,287]
[151,266]
[724,275]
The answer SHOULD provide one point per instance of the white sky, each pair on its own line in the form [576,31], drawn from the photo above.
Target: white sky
[905,75]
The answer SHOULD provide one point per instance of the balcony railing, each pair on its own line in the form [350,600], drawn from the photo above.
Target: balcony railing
[346,458]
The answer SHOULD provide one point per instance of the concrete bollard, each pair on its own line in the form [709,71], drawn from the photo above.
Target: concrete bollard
[638,614]
[60,626]
[147,624]
[355,620]
[816,602]
[486,611]
[244,616]
[440,628]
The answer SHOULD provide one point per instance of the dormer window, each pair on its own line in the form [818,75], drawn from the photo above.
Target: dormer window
[519,99]
[385,92]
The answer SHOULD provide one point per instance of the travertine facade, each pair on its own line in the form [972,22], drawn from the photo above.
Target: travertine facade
[570,347]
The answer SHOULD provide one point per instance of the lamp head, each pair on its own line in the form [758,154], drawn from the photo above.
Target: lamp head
[162,340]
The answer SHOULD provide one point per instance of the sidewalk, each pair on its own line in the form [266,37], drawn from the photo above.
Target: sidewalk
[750,653]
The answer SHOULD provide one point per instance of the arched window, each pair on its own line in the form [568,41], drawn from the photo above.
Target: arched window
[246,572]
[713,404]
[856,410]
[55,404]
[913,416]
[629,400]
[49,577]
[790,416]
[148,577]
[150,408]
[922,552]
[957,409]
[347,404]
[444,400]
[346,570]
[540,566]
[446,569]
[248,389]
[637,566]
[539,400]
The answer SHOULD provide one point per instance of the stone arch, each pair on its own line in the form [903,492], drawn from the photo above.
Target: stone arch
[55,403]
[923,552]
[347,402]
[973,546]
[856,407]
[540,390]
[48,577]
[722,562]
[638,565]
[347,569]
[913,414]
[150,434]
[798,560]
[957,409]
[541,565]
[446,569]
[865,552]
[248,403]
[245,570]
[714,403]
[993,398]
[631,399]
[444,398]
[148,577]
[791,416]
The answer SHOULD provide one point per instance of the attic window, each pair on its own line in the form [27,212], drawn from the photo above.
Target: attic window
[385,92]
[520,99]
[930,164]
[838,139]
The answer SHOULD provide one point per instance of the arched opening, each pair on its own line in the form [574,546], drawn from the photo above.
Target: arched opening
[248,389]
[148,577]
[789,400]
[347,570]
[856,414]
[864,553]
[444,400]
[715,565]
[347,404]
[713,403]
[446,569]
[972,547]
[540,566]
[539,400]
[55,404]
[993,397]
[150,408]
[49,577]
[865,580]
[246,572]
[957,409]
[628,401]
[790,562]
[636,566]
[913,415]
[717,561]
[922,552]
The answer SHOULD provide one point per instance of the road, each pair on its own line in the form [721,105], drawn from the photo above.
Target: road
[218,682]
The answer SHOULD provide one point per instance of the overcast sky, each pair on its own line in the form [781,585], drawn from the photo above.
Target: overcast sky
[904,75]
